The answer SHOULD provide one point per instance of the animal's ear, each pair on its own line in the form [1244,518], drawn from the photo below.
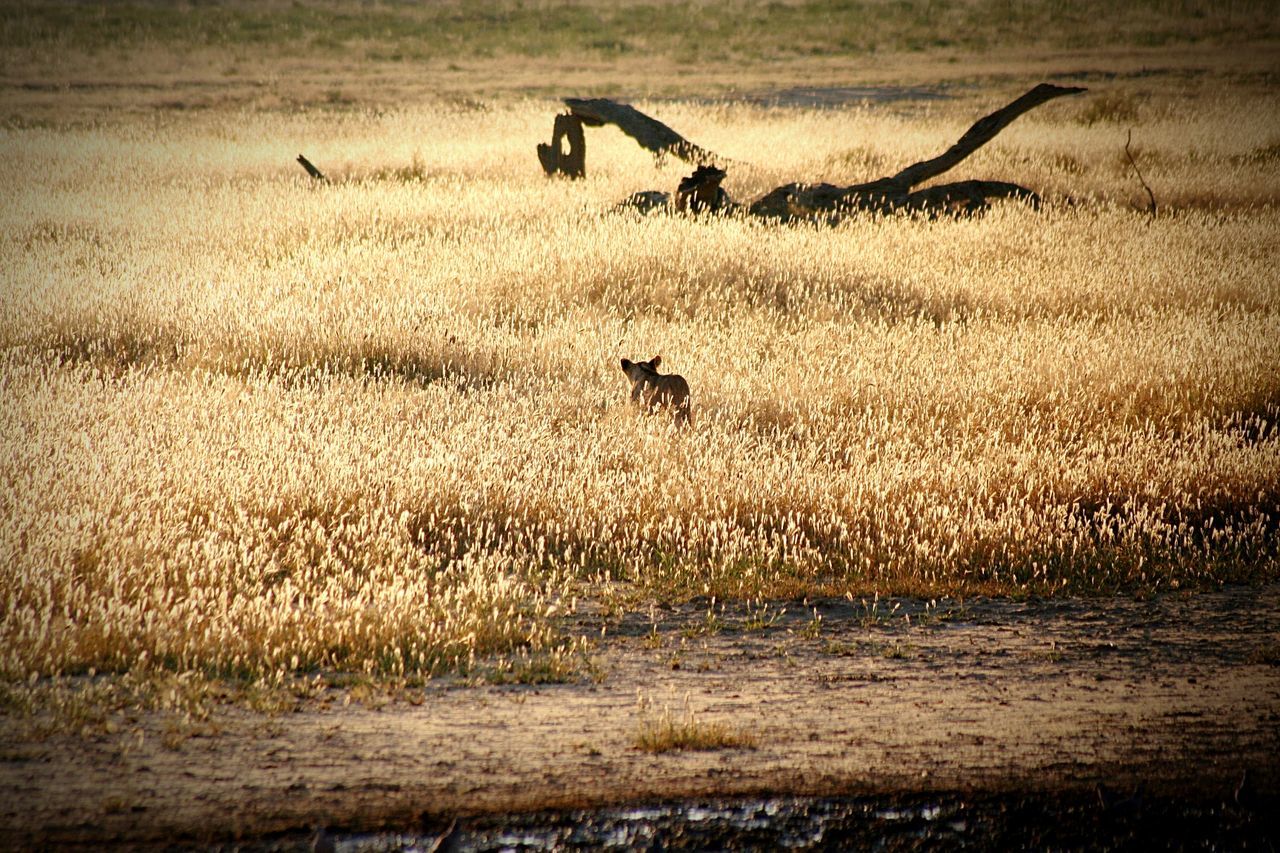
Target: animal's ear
[626,365]
[655,361]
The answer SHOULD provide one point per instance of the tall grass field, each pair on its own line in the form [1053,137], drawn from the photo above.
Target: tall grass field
[254,425]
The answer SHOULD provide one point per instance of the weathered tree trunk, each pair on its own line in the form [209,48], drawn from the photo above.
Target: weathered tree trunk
[554,159]
[794,201]
[652,135]
[966,196]
[649,132]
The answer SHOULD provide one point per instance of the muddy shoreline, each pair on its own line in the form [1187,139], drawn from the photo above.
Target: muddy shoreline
[1173,699]
[1102,820]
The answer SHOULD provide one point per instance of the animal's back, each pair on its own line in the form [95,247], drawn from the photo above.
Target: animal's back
[652,389]
[672,390]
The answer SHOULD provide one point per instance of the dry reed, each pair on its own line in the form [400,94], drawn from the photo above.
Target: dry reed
[254,427]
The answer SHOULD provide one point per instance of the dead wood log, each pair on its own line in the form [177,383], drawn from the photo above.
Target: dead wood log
[554,159]
[650,133]
[698,193]
[311,169]
[982,132]
[701,192]
[646,202]
[966,196]
[794,201]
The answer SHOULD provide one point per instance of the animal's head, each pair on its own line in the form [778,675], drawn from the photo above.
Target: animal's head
[637,371]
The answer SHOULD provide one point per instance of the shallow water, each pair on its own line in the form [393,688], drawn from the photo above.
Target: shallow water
[1078,821]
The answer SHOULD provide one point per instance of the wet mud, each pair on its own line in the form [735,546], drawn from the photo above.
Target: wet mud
[1101,820]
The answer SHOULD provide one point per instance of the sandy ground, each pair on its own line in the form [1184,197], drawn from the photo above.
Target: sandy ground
[1177,694]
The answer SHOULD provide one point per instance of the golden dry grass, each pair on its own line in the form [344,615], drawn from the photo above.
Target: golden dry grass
[667,731]
[253,426]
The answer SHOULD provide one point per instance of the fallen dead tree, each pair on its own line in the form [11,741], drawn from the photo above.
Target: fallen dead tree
[650,133]
[701,192]
[898,192]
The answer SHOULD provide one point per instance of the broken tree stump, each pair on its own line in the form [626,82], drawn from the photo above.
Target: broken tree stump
[800,201]
[311,169]
[554,159]
[701,192]
[698,193]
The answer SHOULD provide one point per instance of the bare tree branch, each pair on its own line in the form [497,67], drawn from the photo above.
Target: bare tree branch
[982,132]
[311,170]
[895,193]
[649,132]
[1150,195]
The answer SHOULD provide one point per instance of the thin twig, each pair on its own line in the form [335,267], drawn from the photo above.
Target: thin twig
[1136,171]
[445,836]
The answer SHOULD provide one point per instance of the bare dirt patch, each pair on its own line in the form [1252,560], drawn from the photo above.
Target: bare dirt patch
[1178,696]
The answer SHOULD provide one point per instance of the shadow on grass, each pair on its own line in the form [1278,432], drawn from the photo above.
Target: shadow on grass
[116,355]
